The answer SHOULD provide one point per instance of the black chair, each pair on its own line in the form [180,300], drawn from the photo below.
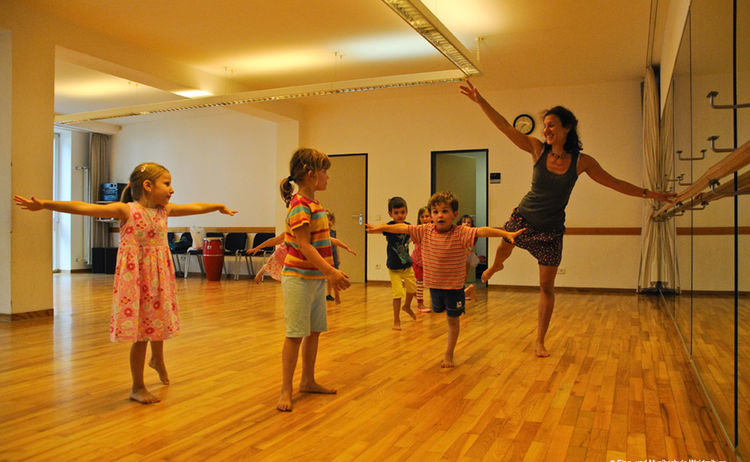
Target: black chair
[178,247]
[199,254]
[265,251]
[234,245]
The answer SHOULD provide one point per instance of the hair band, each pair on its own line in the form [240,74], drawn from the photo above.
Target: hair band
[289,178]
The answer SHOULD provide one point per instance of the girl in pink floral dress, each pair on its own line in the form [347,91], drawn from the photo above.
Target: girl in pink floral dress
[144,305]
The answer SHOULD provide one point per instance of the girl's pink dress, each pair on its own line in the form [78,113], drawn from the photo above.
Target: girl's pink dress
[274,264]
[144,306]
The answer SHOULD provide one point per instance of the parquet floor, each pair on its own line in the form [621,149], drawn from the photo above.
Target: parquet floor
[616,386]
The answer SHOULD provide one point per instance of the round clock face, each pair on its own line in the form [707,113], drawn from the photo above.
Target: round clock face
[524,123]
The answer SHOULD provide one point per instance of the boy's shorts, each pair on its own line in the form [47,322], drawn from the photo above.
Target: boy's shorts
[451,301]
[397,286]
[304,306]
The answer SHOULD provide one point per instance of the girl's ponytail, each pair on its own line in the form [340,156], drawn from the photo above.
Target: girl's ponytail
[127,194]
[287,190]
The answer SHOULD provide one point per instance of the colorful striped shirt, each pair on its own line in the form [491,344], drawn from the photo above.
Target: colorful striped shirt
[444,254]
[303,211]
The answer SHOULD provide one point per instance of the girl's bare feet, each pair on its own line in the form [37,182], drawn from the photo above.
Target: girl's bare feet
[143,396]
[423,309]
[396,326]
[315,387]
[541,351]
[407,310]
[285,401]
[487,274]
[161,369]
[446,362]
[258,278]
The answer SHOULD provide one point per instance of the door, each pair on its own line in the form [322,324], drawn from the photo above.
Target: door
[346,197]
[464,173]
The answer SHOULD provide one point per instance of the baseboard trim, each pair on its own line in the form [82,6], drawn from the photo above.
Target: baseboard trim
[27,315]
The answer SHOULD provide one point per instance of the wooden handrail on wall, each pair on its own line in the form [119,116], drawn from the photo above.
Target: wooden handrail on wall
[696,194]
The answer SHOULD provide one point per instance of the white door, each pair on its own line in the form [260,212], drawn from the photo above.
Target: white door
[346,197]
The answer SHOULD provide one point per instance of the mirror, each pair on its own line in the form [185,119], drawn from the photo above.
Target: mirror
[743,208]
[711,65]
[678,107]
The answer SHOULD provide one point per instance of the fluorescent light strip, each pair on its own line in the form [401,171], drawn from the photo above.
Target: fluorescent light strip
[421,19]
[275,94]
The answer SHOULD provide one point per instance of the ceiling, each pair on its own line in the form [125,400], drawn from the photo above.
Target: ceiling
[244,45]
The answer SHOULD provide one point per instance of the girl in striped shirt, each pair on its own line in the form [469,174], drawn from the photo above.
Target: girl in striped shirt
[308,263]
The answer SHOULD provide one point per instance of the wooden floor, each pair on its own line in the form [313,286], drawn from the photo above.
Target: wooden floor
[617,385]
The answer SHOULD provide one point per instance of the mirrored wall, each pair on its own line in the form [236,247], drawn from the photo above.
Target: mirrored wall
[712,312]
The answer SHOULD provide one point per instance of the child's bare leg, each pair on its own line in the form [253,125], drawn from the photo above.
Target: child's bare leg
[454,326]
[546,305]
[307,383]
[502,254]
[259,275]
[289,354]
[396,316]
[157,361]
[137,361]
[407,305]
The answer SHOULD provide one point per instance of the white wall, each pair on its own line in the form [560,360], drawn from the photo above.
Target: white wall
[399,132]
[5,156]
[215,155]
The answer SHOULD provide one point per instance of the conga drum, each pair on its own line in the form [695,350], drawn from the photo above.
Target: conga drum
[213,257]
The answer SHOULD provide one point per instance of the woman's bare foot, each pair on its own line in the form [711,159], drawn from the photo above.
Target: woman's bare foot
[469,292]
[407,310]
[143,396]
[487,274]
[423,309]
[161,369]
[285,401]
[541,351]
[337,299]
[446,362]
[258,278]
[396,326]
[315,387]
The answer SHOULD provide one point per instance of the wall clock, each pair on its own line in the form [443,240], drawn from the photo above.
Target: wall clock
[524,123]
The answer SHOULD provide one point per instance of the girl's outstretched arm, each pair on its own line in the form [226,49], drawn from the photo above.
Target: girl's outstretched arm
[338,243]
[486,231]
[272,242]
[197,208]
[117,210]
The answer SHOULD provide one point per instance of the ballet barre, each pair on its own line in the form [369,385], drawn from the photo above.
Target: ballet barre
[711,185]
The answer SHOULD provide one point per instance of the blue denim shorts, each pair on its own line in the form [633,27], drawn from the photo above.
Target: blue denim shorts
[451,301]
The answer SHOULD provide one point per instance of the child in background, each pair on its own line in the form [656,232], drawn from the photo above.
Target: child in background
[399,263]
[144,306]
[423,216]
[276,262]
[471,260]
[335,250]
[444,250]
[308,263]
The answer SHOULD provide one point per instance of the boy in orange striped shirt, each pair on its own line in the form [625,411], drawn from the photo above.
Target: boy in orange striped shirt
[444,250]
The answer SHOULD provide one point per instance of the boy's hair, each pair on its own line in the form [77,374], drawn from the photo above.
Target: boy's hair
[331,216]
[396,202]
[303,160]
[444,197]
[145,171]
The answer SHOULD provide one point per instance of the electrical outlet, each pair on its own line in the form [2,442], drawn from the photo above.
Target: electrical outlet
[561,271]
